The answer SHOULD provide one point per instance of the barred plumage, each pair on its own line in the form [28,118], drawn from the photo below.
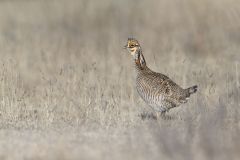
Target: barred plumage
[156,89]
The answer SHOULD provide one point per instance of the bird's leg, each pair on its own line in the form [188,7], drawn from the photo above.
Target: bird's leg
[157,115]
[163,115]
[166,117]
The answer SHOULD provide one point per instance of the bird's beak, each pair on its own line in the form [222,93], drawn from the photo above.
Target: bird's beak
[125,47]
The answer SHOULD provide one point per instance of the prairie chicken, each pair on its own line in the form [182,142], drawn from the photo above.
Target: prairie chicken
[156,89]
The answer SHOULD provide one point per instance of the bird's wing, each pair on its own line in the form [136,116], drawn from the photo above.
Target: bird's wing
[165,86]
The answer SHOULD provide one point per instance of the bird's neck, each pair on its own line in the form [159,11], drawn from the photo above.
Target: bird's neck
[139,60]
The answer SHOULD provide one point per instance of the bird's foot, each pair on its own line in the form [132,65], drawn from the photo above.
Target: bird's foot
[147,116]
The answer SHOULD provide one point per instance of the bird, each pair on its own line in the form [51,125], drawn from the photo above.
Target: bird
[156,89]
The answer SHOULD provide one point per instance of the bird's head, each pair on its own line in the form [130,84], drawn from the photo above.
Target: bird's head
[132,46]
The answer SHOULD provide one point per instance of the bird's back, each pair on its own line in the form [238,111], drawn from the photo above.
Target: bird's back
[158,90]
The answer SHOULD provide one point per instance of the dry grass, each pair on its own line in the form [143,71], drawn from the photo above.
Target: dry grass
[67,86]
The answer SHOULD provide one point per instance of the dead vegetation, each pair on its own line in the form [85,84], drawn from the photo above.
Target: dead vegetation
[66,84]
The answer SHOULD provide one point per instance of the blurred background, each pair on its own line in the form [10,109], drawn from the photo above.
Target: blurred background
[41,34]
[67,85]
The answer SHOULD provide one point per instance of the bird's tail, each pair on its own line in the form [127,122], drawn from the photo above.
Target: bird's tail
[188,92]
[192,89]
